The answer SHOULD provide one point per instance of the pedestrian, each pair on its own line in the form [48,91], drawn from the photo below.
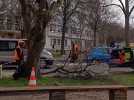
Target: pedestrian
[19,58]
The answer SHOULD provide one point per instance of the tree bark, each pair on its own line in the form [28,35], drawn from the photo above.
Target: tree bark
[126,30]
[95,35]
[127,23]
[95,29]
[36,42]
[63,37]
[63,28]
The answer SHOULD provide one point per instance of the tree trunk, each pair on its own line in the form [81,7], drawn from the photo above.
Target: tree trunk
[95,32]
[126,31]
[127,22]
[94,43]
[35,45]
[36,14]
[63,29]
[63,38]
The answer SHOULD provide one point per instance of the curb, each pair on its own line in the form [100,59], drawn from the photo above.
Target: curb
[61,88]
[130,87]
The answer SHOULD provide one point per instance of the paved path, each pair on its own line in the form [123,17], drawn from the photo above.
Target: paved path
[130,95]
[45,95]
[122,69]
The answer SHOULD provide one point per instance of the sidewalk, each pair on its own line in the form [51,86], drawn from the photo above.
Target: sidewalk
[64,92]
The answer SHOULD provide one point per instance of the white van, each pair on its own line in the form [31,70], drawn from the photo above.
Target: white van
[7,47]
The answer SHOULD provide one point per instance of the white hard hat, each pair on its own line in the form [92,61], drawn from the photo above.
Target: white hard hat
[21,42]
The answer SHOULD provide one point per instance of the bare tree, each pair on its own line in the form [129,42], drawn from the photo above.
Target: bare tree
[8,13]
[36,14]
[95,15]
[127,10]
[68,9]
[109,34]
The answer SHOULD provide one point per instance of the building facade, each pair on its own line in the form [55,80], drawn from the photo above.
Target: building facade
[10,27]
[54,34]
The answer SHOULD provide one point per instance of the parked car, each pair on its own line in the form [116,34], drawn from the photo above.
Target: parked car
[111,56]
[47,57]
[99,53]
[7,47]
[129,57]
[115,60]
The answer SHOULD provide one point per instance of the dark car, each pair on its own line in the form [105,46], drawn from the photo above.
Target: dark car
[115,57]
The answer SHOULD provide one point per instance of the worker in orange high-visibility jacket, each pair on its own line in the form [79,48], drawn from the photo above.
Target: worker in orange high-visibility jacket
[122,56]
[75,52]
[19,58]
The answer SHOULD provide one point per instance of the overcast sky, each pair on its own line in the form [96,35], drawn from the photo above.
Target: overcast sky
[118,11]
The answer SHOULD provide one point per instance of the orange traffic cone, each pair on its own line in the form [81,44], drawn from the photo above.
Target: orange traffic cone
[32,81]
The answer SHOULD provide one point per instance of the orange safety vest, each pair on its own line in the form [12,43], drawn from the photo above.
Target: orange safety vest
[77,48]
[122,58]
[16,57]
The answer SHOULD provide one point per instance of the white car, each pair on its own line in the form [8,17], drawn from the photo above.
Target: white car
[47,57]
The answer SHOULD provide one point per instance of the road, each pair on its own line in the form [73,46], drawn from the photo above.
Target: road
[121,69]
[130,95]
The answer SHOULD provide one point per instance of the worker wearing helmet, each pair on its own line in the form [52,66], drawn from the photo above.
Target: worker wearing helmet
[19,58]
[19,51]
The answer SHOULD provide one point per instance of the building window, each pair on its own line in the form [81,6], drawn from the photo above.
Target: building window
[65,43]
[1,24]
[75,31]
[59,28]
[55,28]
[52,28]
[53,42]
[17,23]
[9,24]
[56,42]
[17,27]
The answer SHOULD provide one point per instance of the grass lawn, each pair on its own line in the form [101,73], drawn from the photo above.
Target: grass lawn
[122,79]
[71,82]
[56,54]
